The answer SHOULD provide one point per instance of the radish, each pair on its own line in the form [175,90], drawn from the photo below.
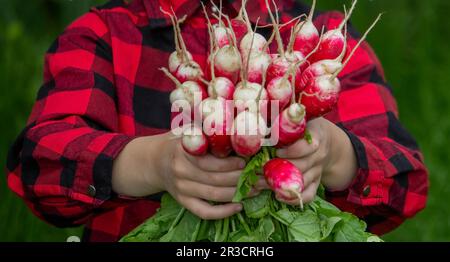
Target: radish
[306,34]
[238,24]
[185,91]
[248,131]
[252,41]
[280,64]
[322,92]
[227,60]
[320,95]
[328,66]
[284,59]
[178,56]
[331,66]
[258,62]
[333,41]
[247,94]
[290,125]
[217,119]
[194,141]
[228,63]
[221,33]
[280,89]
[220,86]
[181,64]
[257,67]
[285,179]
[246,97]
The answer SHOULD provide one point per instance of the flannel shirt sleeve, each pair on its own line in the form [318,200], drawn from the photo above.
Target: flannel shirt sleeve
[61,164]
[391,183]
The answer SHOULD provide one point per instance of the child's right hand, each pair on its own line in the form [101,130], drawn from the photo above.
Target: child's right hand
[195,180]
[153,164]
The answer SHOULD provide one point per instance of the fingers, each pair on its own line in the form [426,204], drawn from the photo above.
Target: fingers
[183,169]
[299,149]
[207,211]
[310,192]
[312,175]
[206,192]
[302,148]
[228,179]
[262,184]
[210,163]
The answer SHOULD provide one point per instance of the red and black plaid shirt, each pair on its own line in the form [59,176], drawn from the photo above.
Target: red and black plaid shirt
[102,89]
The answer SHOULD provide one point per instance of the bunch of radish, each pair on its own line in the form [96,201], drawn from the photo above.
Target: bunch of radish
[243,81]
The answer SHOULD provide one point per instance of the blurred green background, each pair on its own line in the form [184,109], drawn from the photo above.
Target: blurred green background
[412,41]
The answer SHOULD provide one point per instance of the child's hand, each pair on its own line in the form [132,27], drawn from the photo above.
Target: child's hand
[148,165]
[193,181]
[329,159]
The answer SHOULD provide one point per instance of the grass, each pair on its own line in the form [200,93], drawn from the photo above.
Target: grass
[411,41]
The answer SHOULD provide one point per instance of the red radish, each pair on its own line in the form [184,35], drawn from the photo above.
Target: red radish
[306,34]
[194,141]
[222,87]
[321,93]
[238,23]
[246,97]
[285,179]
[178,56]
[284,59]
[290,125]
[322,67]
[247,94]
[217,120]
[216,115]
[228,63]
[187,69]
[257,67]
[280,64]
[252,41]
[248,131]
[333,41]
[280,89]
[227,60]
[331,66]
[259,44]
[185,91]
[221,33]
[218,86]
[258,63]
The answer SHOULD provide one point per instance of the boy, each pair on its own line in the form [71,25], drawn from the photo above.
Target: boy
[97,149]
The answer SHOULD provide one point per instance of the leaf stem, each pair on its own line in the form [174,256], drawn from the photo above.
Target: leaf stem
[177,219]
[196,232]
[244,224]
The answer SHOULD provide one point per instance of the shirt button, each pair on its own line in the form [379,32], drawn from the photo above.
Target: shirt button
[91,190]
[366,191]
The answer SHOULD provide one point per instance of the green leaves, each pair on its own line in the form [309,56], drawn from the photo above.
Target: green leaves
[250,176]
[305,227]
[158,225]
[263,218]
[259,206]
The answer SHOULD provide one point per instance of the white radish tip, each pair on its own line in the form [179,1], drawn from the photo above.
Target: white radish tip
[296,112]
